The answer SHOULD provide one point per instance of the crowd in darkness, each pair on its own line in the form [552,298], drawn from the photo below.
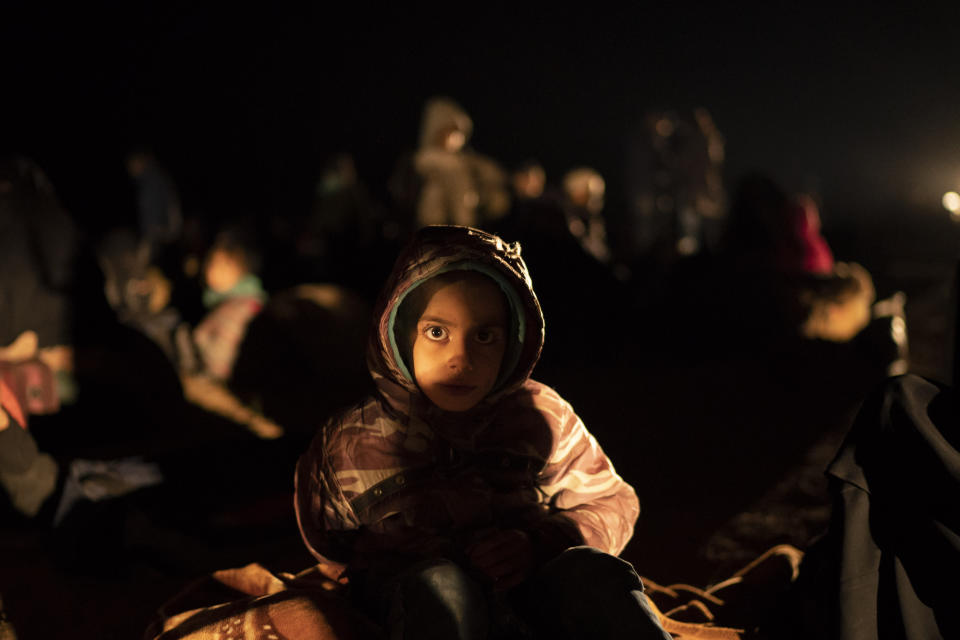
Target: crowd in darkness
[685,242]
[152,359]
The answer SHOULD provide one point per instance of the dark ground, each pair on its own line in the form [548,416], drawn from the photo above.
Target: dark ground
[726,450]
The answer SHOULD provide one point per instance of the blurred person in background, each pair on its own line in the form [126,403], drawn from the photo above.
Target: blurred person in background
[677,198]
[39,248]
[159,217]
[584,190]
[529,180]
[536,215]
[345,229]
[445,181]
[778,253]
[234,296]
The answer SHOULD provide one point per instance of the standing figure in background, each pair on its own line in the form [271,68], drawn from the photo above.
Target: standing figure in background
[453,183]
[529,180]
[159,218]
[345,228]
[584,190]
[677,198]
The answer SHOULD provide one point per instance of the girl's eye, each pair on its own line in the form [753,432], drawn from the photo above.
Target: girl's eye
[486,336]
[436,333]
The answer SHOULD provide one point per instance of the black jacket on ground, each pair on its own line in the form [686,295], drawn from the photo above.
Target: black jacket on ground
[888,566]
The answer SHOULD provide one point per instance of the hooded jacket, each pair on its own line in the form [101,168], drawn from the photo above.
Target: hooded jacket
[396,476]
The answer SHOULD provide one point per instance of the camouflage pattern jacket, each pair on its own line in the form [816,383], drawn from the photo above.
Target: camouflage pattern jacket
[396,478]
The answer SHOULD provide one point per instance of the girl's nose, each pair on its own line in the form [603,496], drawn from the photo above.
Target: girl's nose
[460,358]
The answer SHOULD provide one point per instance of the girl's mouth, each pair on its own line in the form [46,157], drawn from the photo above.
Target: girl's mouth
[457,389]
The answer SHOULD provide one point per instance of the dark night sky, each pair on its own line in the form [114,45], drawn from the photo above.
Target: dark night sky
[242,104]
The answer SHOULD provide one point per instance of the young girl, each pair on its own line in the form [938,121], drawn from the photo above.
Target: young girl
[463,499]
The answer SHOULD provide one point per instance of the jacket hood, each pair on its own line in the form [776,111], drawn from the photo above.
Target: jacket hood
[439,114]
[435,250]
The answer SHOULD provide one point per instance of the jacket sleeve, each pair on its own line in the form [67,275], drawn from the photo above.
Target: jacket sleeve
[582,487]
[323,511]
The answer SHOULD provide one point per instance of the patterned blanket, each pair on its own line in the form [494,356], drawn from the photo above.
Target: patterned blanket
[251,603]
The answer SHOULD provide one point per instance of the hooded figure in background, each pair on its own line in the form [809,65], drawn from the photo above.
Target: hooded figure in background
[453,184]
[38,247]
[402,495]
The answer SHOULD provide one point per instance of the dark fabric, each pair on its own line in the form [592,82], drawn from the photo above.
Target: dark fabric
[38,246]
[158,205]
[585,593]
[431,599]
[18,450]
[888,564]
[582,593]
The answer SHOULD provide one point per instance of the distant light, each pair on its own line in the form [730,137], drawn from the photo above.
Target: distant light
[951,202]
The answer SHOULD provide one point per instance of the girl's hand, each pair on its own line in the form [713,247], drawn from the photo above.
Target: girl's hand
[505,556]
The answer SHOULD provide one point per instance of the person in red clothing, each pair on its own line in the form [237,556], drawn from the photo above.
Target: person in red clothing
[805,249]
[770,228]
[774,237]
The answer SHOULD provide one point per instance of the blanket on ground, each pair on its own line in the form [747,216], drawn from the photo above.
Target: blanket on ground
[251,603]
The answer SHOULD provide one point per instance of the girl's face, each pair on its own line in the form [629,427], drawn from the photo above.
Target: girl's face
[460,341]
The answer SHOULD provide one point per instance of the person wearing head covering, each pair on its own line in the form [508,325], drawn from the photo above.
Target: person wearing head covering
[464,499]
[456,184]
